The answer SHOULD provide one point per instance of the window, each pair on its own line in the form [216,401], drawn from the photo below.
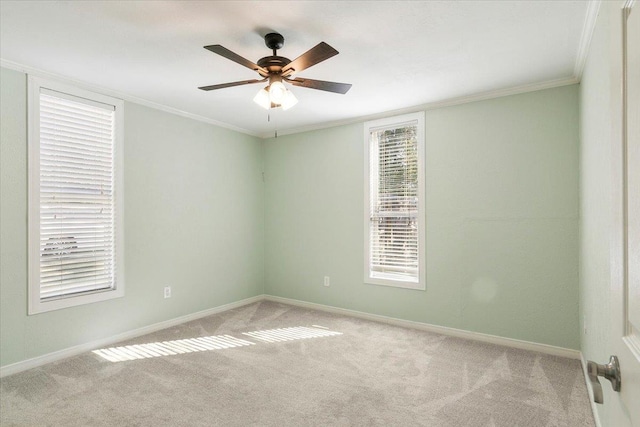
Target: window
[75,197]
[394,202]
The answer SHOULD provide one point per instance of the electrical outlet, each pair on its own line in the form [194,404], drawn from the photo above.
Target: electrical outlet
[167,291]
[327,281]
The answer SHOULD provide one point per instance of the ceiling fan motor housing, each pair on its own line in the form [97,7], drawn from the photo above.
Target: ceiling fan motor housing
[273,64]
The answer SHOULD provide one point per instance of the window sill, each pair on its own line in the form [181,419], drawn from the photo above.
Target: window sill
[395,283]
[36,307]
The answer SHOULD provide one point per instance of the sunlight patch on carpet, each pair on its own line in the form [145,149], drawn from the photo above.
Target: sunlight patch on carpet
[169,348]
[218,342]
[290,334]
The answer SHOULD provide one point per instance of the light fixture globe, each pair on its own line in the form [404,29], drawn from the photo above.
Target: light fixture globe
[262,99]
[277,92]
[275,95]
[289,100]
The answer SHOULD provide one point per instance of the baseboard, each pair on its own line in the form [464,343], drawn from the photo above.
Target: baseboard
[460,333]
[594,408]
[81,348]
[92,345]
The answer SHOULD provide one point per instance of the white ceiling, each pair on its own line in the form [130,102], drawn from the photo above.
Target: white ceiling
[397,54]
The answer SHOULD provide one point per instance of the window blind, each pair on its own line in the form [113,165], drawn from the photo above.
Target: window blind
[77,205]
[393,228]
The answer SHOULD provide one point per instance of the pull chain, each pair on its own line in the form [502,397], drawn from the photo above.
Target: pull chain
[269,121]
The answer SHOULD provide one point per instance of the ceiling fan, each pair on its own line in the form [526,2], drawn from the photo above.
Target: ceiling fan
[278,69]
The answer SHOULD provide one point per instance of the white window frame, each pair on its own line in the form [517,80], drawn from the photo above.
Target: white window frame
[399,121]
[35,304]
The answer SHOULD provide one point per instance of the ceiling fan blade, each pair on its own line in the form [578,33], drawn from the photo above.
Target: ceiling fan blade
[321,85]
[223,51]
[223,85]
[311,57]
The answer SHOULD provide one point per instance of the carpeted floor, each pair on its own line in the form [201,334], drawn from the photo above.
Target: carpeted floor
[371,374]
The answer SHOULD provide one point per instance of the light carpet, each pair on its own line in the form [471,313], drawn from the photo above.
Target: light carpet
[362,373]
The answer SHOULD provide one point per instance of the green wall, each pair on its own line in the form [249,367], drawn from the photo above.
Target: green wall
[502,222]
[502,219]
[193,220]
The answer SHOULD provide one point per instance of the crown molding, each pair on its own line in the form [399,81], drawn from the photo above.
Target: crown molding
[588,28]
[482,96]
[126,97]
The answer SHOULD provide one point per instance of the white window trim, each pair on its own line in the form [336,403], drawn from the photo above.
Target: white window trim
[381,123]
[35,305]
